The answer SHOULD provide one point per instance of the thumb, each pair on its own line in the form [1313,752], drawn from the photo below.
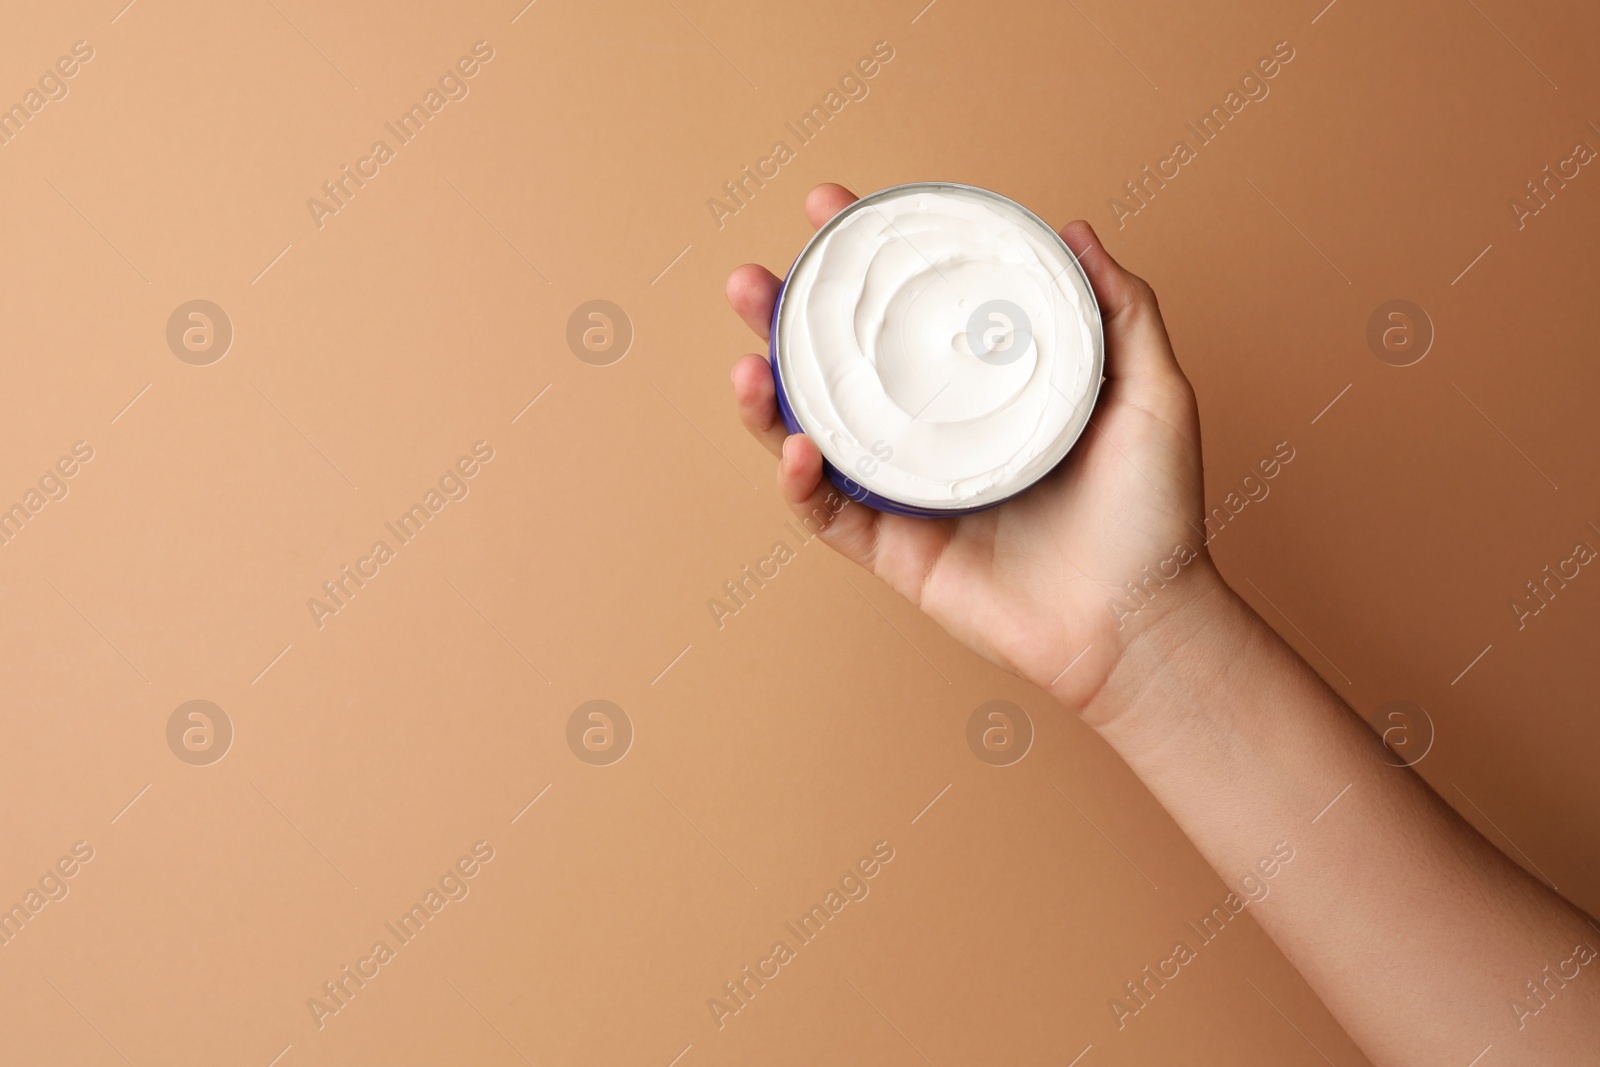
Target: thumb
[1136,338]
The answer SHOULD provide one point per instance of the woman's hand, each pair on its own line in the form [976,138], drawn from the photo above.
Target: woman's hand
[1037,585]
[1233,733]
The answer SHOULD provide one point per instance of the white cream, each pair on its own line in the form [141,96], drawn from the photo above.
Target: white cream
[940,344]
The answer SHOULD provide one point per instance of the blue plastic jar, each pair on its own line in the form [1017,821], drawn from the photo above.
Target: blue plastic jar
[1089,324]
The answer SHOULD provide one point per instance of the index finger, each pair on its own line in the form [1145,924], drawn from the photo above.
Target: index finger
[826,201]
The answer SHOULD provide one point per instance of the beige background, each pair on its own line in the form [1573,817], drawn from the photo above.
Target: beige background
[826,715]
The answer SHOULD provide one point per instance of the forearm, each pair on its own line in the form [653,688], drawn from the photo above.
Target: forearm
[1415,931]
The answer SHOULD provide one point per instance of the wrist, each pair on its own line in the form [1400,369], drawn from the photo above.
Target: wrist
[1175,643]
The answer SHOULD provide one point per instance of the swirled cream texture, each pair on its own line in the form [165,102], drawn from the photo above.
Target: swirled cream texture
[941,345]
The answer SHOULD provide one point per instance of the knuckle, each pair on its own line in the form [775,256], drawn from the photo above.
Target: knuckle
[1145,293]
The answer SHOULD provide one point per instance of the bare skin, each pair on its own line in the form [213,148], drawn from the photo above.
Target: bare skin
[1416,932]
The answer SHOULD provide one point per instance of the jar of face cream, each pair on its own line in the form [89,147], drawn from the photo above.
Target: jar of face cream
[942,347]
